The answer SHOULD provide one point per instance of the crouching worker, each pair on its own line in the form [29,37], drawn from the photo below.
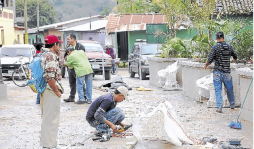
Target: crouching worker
[103,113]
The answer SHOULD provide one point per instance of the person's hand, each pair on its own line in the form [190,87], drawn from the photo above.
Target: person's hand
[58,93]
[233,60]
[58,52]
[113,127]
[205,66]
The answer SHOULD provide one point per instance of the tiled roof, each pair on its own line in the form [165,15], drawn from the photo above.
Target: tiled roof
[232,7]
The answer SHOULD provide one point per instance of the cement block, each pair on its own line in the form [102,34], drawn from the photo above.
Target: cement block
[3,91]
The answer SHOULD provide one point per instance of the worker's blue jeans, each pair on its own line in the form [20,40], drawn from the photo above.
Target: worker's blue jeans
[38,99]
[89,87]
[226,78]
[113,65]
[115,116]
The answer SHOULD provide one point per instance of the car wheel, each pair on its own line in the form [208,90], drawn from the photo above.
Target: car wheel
[142,76]
[107,75]
[131,73]
[63,72]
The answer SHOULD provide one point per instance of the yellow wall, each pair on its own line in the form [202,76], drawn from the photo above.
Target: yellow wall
[21,36]
[7,25]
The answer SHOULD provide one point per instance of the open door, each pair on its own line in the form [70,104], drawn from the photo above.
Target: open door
[122,42]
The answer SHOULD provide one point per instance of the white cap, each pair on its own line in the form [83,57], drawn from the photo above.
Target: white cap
[123,90]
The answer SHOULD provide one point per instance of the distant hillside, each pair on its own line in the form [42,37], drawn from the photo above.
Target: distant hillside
[73,9]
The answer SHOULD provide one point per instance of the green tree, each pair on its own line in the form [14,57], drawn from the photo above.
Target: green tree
[46,12]
[138,6]
[243,44]
[105,11]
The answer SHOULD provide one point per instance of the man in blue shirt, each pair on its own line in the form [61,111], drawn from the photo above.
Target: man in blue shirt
[103,114]
[221,53]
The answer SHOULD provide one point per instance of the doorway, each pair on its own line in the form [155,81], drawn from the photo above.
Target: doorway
[122,42]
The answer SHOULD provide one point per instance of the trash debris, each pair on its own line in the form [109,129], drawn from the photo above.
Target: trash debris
[209,140]
[113,84]
[141,88]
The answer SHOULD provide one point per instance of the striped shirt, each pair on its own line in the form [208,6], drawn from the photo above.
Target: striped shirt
[221,53]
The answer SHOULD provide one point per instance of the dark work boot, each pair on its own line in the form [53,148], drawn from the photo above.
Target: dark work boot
[69,100]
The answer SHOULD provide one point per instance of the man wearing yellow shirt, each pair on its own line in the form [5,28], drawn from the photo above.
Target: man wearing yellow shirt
[84,73]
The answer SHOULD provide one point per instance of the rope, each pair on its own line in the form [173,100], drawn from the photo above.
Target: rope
[198,143]
[244,99]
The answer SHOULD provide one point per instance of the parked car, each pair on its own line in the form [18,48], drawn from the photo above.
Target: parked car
[138,62]
[97,57]
[10,55]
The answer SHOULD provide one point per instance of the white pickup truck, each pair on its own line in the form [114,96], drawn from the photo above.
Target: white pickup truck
[10,55]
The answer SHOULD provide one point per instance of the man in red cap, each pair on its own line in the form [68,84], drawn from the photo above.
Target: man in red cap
[50,98]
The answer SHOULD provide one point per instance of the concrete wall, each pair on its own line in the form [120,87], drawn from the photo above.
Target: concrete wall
[191,71]
[58,34]
[100,37]
[244,83]
[156,64]
[7,34]
[19,36]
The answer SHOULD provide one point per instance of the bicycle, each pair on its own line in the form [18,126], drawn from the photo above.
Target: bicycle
[22,74]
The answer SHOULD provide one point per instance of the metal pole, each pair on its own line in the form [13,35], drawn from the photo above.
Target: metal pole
[139,60]
[1,77]
[103,70]
[25,16]
[90,23]
[37,39]
[14,12]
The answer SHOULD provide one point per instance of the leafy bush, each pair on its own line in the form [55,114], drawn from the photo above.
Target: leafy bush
[175,48]
[243,44]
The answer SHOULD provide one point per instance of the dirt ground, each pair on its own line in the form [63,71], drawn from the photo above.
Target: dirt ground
[20,118]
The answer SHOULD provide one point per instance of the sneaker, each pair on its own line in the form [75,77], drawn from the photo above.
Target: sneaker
[89,102]
[80,102]
[219,110]
[232,107]
[69,100]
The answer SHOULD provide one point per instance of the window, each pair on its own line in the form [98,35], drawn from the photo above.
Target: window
[60,44]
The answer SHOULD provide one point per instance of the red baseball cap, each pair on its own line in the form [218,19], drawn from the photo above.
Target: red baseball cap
[50,39]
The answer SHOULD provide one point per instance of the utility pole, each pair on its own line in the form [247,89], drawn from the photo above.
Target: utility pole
[90,23]
[25,16]
[37,39]
[14,12]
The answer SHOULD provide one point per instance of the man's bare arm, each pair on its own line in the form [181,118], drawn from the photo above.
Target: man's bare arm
[54,88]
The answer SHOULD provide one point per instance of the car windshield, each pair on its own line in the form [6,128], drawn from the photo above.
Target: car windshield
[92,47]
[15,52]
[149,49]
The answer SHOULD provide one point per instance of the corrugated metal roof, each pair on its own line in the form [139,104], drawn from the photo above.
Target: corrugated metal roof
[57,25]
[95,25]
[131,22]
